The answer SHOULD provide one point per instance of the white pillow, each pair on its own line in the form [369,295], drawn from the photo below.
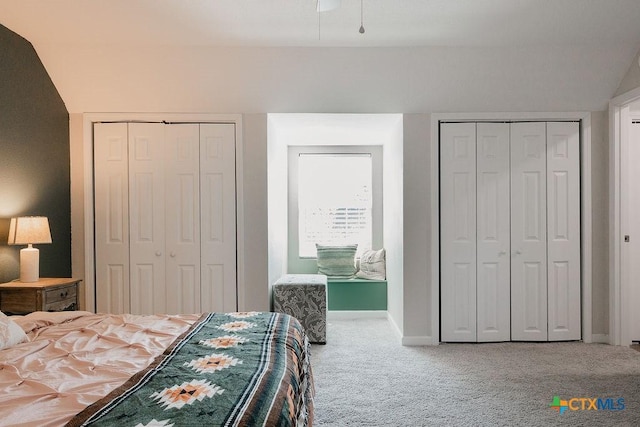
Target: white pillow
[10,333]
[372,265]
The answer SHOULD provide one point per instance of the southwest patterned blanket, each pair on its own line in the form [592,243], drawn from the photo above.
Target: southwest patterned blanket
[232,369]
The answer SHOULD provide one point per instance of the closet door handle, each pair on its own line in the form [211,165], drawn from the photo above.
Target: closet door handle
[518,252]
[158,253]
[502,253]
[172,254]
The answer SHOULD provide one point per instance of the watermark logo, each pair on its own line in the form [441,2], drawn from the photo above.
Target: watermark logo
[559,405]
[587,404]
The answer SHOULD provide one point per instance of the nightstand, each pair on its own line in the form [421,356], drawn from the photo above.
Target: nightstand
[47,294]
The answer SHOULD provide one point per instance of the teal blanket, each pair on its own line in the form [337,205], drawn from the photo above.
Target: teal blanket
[232,369]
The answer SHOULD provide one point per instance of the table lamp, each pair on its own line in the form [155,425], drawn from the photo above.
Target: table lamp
[29,230]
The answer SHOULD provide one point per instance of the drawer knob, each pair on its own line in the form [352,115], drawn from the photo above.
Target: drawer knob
[64,294]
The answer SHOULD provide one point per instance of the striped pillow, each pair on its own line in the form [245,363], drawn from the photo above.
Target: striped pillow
[337,261]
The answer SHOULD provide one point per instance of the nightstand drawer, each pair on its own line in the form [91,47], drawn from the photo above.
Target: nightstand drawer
[18,302]
[64,305]
[60,294]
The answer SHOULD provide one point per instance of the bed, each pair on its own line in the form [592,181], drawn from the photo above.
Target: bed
[79,368]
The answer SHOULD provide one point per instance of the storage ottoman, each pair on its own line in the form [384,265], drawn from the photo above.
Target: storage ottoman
[304,296]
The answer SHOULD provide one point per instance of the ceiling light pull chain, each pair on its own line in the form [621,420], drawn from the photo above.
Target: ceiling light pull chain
[361,30]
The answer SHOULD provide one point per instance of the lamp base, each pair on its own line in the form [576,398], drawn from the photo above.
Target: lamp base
[29,264]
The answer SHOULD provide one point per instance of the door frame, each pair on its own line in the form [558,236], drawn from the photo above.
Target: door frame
[619,283]
[88,119]
[585,204]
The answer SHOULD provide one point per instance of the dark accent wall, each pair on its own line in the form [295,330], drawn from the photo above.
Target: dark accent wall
[34,156]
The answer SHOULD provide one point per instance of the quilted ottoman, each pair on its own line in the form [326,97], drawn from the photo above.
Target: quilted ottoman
[304,296]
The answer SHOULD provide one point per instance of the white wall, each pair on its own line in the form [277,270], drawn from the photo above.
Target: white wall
[251,184]
[277,202]
[631,79]
[254,227]
[410,304]
[335,80]
[342,129]
[417,233]
[600,222]
[414,81]
[393,222]
[77,203]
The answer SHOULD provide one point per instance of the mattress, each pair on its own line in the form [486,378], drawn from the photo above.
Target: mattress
[80,368]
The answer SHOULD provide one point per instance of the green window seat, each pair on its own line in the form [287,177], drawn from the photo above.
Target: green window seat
[356,294]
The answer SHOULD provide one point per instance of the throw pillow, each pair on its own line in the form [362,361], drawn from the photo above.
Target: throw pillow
[337,261]
[372,265]
[10,333]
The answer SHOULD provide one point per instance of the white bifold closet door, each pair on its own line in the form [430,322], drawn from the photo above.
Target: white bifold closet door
[218,217]
[510,232]
[165,217]
[529,231]
[563,231]
[147,205]
[492,223]
[475,232]
[458,232]
[111,212]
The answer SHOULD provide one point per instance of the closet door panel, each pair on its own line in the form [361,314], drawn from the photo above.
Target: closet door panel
[147,218]
[493,233]
[182,177]
[528,232]
[563,213]
[218,217]
[458,232]
[111,194]
[633,246]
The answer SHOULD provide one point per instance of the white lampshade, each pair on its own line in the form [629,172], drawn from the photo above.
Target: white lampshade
[27,230]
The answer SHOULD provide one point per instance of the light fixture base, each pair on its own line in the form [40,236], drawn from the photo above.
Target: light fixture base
[29,264]
[327,5]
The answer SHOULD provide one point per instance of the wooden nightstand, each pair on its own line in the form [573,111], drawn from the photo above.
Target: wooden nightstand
[47,294]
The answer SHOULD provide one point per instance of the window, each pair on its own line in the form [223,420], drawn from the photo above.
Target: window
[335,198]
[335,201]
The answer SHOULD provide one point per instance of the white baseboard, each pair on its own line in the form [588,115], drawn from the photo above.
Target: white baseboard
[417,340]
[356,314]
[395,327]
[600,338]
[379,314]
[409,340]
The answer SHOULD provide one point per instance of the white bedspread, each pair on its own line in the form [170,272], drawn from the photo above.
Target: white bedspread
[94,353]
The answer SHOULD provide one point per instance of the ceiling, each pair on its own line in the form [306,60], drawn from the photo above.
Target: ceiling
[391,23]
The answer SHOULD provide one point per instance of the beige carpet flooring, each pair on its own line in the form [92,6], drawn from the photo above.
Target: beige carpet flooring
[364,377]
